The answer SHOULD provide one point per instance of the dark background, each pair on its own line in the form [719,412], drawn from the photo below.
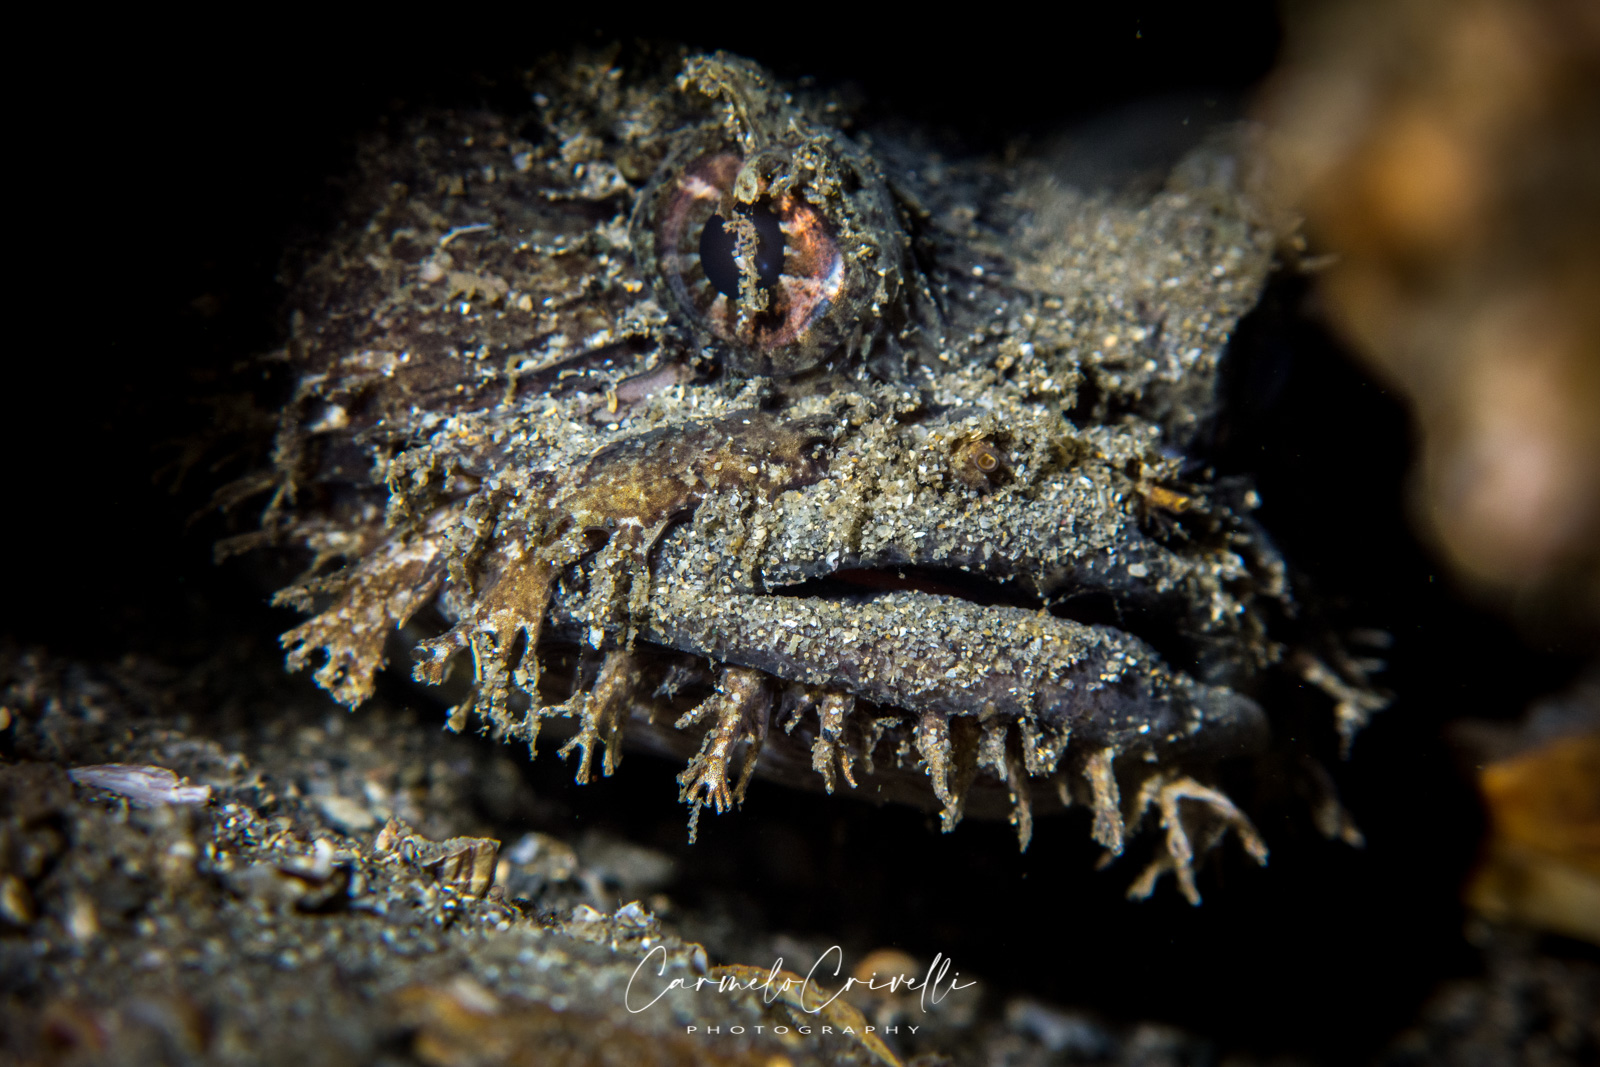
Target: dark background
[164,171]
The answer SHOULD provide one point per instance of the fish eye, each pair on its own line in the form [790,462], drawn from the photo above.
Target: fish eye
[765,277]
[777,241]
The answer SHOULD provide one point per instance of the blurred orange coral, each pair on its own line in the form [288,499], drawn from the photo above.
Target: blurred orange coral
[1541,864]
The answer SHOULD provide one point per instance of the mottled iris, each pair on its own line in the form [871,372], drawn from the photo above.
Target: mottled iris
[759,275]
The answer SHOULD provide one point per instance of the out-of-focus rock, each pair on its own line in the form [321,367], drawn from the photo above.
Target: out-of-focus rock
[1070,1032]
[1526,1008]
[316,881]
[534,862]
[1447,155]
[32,798]
[16,903]
[462,1024]
[632,869]
[347,814]
[143,1029]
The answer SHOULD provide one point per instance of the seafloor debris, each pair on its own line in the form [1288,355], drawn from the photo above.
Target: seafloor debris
[1526,1007]
[692,378]
[466,863]
[248,931]
[141,784]
[1540,782]
[244,930]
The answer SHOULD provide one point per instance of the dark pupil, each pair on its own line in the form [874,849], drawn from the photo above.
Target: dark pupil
[717,248]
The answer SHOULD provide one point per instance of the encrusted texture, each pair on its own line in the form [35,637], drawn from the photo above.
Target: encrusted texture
[934,532]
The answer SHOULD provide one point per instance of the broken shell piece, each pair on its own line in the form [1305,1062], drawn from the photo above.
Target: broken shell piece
[464,863]
[143,785]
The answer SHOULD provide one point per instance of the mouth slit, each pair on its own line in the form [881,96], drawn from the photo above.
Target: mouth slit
[938,581]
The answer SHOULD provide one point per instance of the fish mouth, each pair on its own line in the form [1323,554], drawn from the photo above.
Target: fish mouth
[909,641]
[1117,696]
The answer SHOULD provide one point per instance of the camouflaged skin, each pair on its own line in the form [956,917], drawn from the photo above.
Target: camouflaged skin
[860,558]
